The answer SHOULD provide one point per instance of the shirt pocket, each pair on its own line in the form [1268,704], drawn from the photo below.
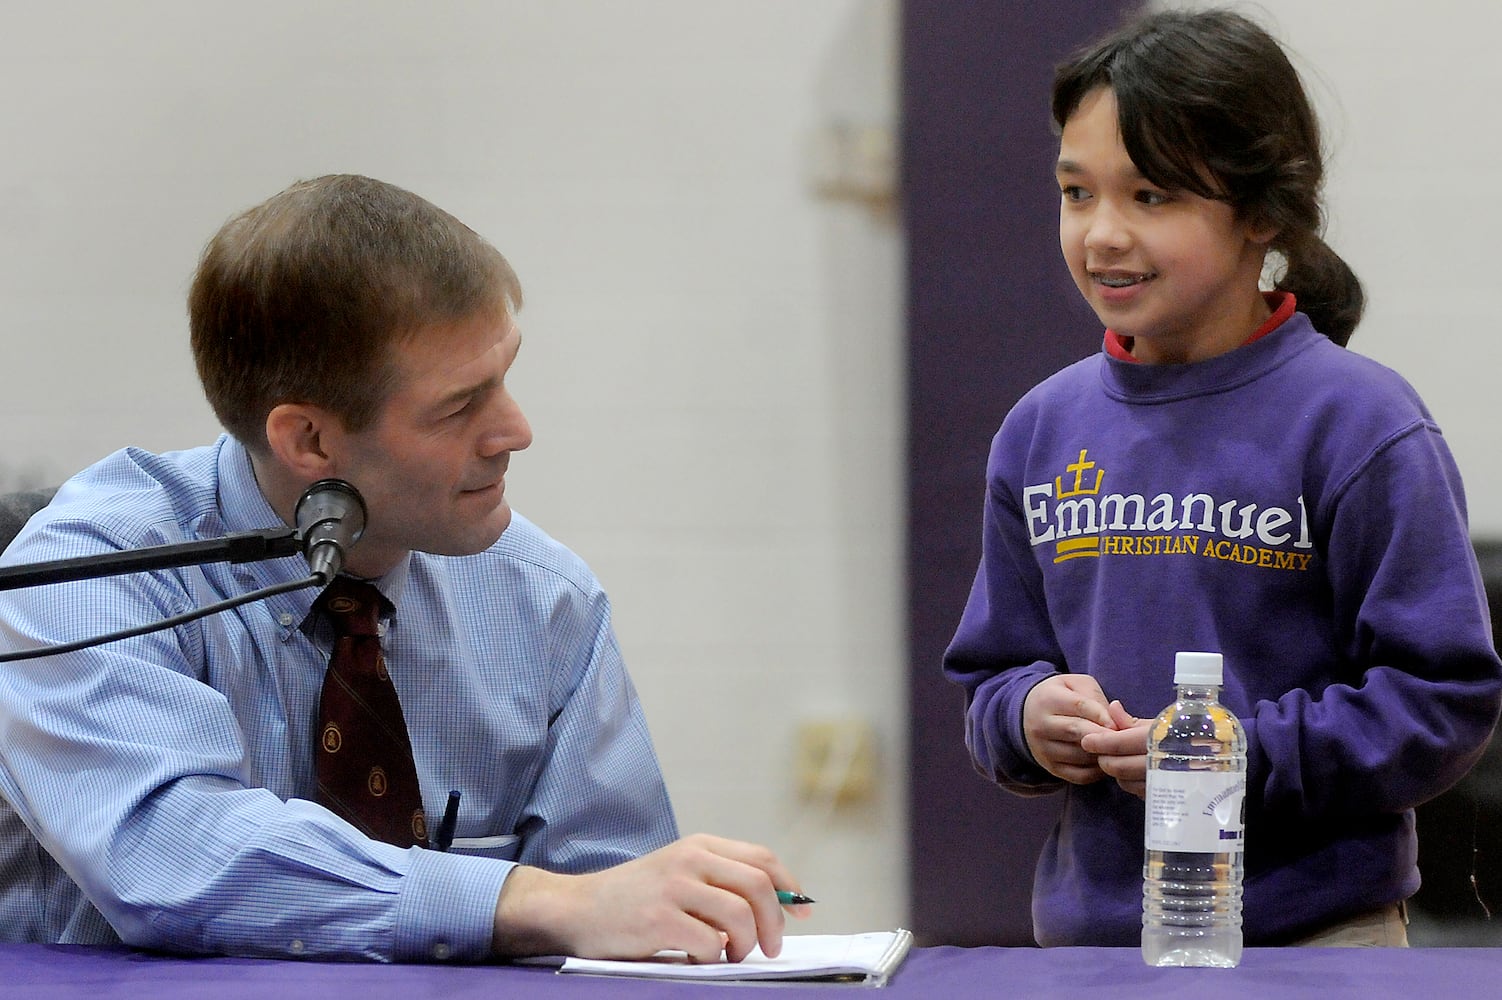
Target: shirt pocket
[502,847]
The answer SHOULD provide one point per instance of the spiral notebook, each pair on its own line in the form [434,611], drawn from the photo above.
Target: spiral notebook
[868,959]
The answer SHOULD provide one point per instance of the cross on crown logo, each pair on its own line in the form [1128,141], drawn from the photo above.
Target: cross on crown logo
[1079,468]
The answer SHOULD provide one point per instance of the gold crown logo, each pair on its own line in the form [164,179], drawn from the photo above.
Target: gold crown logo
[1089,546]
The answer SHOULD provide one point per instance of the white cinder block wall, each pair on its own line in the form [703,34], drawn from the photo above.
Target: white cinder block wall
[1407,99]
[712,358]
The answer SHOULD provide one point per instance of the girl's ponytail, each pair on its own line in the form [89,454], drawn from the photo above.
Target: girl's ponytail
[1327,290]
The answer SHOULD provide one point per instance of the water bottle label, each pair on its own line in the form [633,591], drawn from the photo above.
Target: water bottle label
[1197,811]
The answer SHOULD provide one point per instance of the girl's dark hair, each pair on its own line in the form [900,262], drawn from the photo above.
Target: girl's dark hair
[1209,103]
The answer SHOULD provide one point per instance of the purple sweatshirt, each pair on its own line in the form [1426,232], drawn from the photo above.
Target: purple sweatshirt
[1291,505]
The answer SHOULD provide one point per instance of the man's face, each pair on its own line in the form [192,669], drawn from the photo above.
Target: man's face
[432,465]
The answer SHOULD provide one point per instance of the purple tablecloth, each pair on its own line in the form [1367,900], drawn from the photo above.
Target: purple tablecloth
[55,972]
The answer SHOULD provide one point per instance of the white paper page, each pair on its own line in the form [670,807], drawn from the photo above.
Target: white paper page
[803,955]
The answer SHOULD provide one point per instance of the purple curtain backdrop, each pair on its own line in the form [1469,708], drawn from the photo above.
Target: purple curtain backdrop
[991,312]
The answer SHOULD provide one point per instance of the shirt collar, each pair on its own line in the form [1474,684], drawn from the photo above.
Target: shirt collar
[1282,304]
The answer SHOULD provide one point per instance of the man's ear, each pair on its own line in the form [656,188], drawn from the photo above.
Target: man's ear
[303,438]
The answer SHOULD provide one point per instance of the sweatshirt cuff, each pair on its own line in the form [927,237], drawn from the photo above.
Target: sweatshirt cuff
[1023,768]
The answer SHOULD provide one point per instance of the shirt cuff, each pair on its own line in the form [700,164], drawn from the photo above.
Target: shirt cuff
[446,911]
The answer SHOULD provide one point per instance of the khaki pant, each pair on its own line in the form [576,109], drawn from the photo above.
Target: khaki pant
[1384,928]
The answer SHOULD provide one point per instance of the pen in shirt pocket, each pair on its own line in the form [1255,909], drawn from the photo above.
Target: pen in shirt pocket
[445,836]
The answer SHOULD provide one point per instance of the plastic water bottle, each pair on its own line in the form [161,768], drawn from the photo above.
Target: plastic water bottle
[1196,789]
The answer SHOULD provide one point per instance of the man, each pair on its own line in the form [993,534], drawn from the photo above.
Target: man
[164,790]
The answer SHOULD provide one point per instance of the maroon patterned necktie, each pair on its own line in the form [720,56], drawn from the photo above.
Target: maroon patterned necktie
[365,769]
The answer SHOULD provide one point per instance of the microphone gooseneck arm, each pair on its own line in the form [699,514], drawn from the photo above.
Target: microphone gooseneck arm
[330,518]
[247,546]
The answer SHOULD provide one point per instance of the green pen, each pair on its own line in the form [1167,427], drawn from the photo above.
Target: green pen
[792,898]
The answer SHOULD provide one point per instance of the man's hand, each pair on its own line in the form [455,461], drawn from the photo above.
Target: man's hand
[1122,754]
[702,895]
[1057,715]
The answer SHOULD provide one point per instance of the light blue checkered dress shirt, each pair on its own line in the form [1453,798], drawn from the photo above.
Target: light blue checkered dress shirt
[159,789]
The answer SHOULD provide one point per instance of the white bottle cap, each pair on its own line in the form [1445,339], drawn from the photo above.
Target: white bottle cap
[1198,668]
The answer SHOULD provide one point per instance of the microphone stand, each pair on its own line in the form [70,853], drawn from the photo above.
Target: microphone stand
[245,546]
[330,517]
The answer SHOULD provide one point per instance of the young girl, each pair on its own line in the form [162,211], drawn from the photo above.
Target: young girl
[1223,476]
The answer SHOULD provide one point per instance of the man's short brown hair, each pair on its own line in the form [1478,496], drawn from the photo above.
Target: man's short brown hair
[300,299]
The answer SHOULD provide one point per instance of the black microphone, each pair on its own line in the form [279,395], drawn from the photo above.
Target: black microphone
[330,519]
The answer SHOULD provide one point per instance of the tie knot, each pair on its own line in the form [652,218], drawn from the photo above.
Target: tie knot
[353,606]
